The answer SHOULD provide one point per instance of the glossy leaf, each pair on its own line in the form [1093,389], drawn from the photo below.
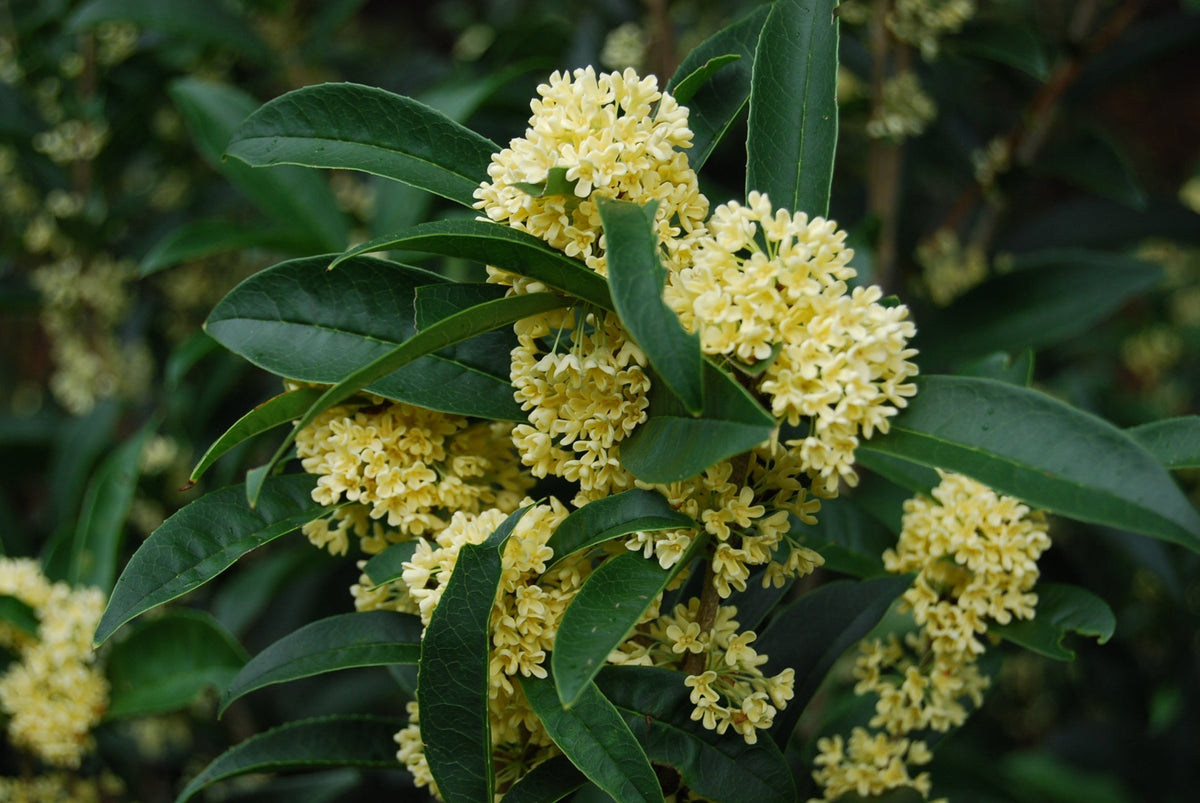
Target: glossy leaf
[1048,297]
[272,413]
[812,632]
[347,740]
[18,614]
[453,673]
[355,127]
[1175,442]
[721,99]
[446,332]
[162,664]
[388,565]
[299,201]
[345,641]
[1093,161]
[197,21]
[688,86]
[548,782]
[793,106]
[204,539]
[301,321]
[636,279]
[850,540]
[672,445]
[313,787]
[1038,449]
[654,701]
[603,614]
[594,736]
[205,238]
[904,473]
[1061,609]
[612,517]
[1003,367]
[1015,44]
[100,531]
[499,246]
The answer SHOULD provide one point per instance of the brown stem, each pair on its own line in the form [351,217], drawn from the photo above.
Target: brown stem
[885,158]
[696,662]
[660,51]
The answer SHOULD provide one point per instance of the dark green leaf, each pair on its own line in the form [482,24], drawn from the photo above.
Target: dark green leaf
[453,675]
[850,540]
[298,200]
[260,582]
[204,539]
[903,794]
[16,613]
[275,411]
[655,703]
[636,280]
[1100,223]
[1061,609]
[200,21]
[100,532]
[904,473]
[672,445]
[813,632]
[1038,449]
[1094,162]
[204,238]
[499,246]
[1048,297]
[437,301]
[301,321]
[388,565]
[1015,44]
[685,88]
[345,641]
[611,602]
[163,663]
[548,782]
[315,787]
[356,127]
[722,98]
[793,106]
[347,741]
[1003,367]
[594,736]
[612,517]
[1175,442]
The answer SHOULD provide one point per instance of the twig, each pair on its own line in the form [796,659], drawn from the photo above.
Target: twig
[696,662]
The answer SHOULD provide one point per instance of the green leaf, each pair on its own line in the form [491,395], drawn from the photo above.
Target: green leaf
[1095,162]
[453,675]
[275,411]
[301,321]
[204,238]
[613,516]
[655,704]
[298,200]
[903,794]
[356,127]
[315,787]
[672,445]
[388,565]
[1061,609]
[904,473]
[499,246]
[1015,44]
[688,86]
[1175,442]
[793,106]
[204,539]
[594,736]
[548,782]
[1002,367]
[345,641]
[437,301]
[163,663]
[850,540]
[100,532]
[1038,449]
[813,632]
[721,99]
[611,602]
[347,740]
[1049,296]
[636,279]
[448,331]
[18,614]
[200,21]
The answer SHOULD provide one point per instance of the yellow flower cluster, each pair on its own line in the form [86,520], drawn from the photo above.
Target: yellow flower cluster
[58,787]
[584,386]
[975,553]
[905,110]
[529,605]
[731,692]
[948,269]
[770,286]
[613,135]
[922,23]
[53,693]
[869,765]
[404,466]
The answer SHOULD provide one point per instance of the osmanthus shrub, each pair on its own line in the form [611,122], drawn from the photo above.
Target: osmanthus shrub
[704,376]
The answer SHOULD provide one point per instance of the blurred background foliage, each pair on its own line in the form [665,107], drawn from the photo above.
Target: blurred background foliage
[1029,180]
